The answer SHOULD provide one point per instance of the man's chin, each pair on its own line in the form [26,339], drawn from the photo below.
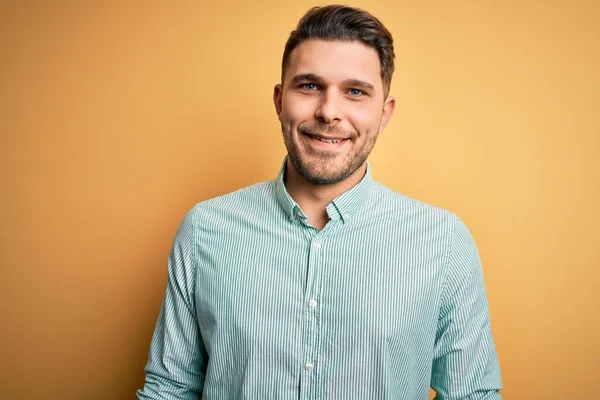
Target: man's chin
[322,178]
[320,171]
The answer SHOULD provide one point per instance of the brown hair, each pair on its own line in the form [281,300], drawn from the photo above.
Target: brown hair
[343,23]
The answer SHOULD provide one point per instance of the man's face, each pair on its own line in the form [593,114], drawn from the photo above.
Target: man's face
[331,108]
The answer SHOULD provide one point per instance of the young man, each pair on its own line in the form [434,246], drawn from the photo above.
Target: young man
[324,284]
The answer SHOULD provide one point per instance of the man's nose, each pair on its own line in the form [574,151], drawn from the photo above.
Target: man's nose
[329,108]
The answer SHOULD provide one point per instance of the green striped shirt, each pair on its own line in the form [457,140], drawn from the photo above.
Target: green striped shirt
[384,302]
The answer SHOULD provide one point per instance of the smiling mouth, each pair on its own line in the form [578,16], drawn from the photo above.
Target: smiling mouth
[325,140]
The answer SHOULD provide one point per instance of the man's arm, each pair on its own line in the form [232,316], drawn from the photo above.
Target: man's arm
[177,361]
[465,363]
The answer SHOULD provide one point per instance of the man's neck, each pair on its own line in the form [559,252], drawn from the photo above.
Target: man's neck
[312,198]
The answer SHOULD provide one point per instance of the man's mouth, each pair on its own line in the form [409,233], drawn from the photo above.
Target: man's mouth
[325,139]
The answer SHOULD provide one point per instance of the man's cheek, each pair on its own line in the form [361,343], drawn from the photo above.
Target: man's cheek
[363,121]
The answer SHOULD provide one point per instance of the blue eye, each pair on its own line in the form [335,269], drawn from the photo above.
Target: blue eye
[309,86]
[355,92]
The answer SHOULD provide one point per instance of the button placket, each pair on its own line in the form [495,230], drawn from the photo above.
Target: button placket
[312,316]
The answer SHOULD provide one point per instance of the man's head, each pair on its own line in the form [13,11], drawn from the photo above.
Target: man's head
[333,98]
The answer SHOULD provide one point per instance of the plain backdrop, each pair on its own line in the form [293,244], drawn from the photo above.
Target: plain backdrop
[117,117]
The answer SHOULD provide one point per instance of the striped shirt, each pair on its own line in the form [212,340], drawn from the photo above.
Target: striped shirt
[384,302]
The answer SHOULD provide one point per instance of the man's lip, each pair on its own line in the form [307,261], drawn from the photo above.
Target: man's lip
[323,137]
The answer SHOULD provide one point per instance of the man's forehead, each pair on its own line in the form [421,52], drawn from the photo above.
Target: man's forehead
[335,60]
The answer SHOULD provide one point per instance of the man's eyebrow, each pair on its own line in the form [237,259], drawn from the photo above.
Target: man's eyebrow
[306,77]
[357,83]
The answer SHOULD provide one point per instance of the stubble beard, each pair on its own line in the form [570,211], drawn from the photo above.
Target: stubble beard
[312,166]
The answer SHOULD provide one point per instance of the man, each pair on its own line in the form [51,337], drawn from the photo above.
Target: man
[324,284]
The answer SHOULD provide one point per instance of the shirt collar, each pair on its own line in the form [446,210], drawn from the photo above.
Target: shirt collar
[342,207]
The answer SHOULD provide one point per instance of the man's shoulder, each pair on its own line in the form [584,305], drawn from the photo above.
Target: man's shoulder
[391,200]
[251,197]
[406,215]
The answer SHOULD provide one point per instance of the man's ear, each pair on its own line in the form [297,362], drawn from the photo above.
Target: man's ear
[277,98]
[388,110]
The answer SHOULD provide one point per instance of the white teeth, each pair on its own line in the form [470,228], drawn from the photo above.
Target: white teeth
[328,140]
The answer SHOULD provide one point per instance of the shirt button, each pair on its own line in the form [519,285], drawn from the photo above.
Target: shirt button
[308,366]
[317,244]
[313,303]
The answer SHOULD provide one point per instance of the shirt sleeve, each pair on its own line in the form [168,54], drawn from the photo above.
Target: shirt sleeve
[177,360]
[465,364]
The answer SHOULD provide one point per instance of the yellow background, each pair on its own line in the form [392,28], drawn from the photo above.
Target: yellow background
[117,117]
